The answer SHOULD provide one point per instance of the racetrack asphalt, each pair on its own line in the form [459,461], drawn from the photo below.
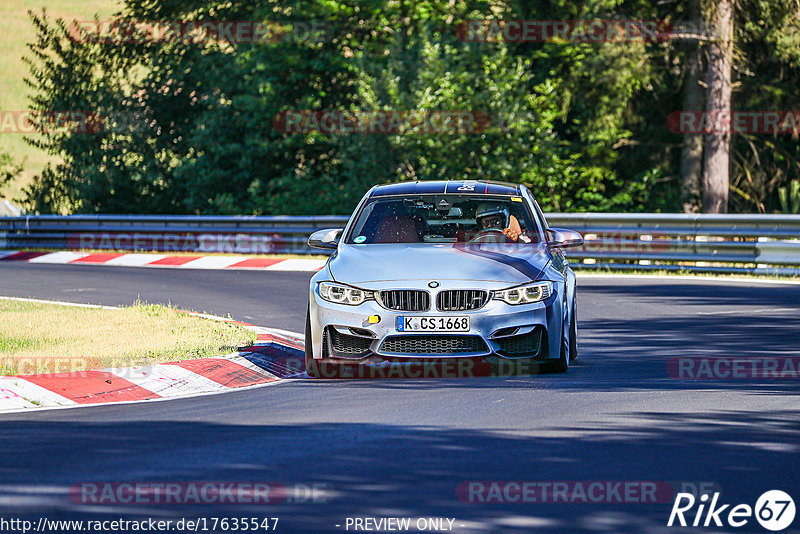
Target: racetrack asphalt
[402,447]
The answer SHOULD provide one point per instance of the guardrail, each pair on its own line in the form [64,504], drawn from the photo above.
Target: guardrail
[735,243]
[174,233]
[712,243]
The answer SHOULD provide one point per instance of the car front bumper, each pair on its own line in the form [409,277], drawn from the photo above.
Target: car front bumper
[497,331]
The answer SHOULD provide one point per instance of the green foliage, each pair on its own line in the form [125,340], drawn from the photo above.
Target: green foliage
[188,127]
[790,199]
[768,58]
[8,169]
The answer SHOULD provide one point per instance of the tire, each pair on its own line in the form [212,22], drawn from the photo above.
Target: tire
[562,364]
[312,369]
[573,333]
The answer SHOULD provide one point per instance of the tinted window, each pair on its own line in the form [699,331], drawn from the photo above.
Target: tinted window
[439,219]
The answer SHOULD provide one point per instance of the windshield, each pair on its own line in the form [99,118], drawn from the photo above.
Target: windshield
[443,219]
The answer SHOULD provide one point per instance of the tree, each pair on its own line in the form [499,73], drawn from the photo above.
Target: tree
[8,170]
[716,157]
[188,127]
[206,142]
[691,166]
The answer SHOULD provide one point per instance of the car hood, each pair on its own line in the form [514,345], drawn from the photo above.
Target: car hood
[509,264]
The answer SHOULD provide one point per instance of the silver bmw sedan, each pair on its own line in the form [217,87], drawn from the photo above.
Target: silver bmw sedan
[439,271]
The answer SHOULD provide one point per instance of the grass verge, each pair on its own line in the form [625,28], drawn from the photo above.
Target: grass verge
[47,338]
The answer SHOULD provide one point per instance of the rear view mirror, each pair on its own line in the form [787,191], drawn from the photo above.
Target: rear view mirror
[328,238]
[558,237]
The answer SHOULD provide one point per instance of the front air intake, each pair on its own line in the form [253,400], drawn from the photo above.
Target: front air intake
[461,299]
[521,345]
[410,300]
[338,345]
[433,344]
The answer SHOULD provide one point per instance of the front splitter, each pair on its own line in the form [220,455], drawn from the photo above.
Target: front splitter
[450,367]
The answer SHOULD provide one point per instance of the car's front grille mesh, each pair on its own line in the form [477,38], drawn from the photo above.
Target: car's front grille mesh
[425,344]
[461,299]
[406,300]
[345,345]
[521,345]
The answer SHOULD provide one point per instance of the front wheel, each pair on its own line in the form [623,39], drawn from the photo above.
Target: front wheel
[312,367]
[573,334]
[562,364]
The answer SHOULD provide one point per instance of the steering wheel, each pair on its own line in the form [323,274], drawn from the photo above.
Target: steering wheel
[491,235]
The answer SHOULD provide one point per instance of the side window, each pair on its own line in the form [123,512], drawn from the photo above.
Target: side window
[518,210]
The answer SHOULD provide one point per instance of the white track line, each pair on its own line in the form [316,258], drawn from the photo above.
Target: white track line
[61,303]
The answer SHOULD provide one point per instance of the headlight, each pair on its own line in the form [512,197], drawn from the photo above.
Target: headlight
[342,294]
[525,294]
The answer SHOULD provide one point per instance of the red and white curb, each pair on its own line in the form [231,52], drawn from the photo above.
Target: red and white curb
[166,261]
[159,381]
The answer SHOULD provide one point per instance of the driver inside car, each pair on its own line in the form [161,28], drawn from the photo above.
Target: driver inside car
[496,218]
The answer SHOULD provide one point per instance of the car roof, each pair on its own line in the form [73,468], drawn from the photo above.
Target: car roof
[487,187]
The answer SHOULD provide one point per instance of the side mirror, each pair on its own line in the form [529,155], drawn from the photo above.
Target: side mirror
[558,237]
[328,238]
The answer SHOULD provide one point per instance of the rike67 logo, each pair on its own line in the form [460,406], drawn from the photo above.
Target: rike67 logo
[774,510]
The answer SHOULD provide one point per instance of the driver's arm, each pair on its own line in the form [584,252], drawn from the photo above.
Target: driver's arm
[514,231]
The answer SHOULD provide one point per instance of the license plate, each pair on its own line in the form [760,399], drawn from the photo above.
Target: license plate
[433,324]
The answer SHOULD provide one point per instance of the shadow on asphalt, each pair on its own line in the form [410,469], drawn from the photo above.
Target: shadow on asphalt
[696,292]
[398,470]
[634,355]
[405,469]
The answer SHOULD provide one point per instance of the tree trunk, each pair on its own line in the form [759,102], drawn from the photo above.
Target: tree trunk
[718,103]
[692,152]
